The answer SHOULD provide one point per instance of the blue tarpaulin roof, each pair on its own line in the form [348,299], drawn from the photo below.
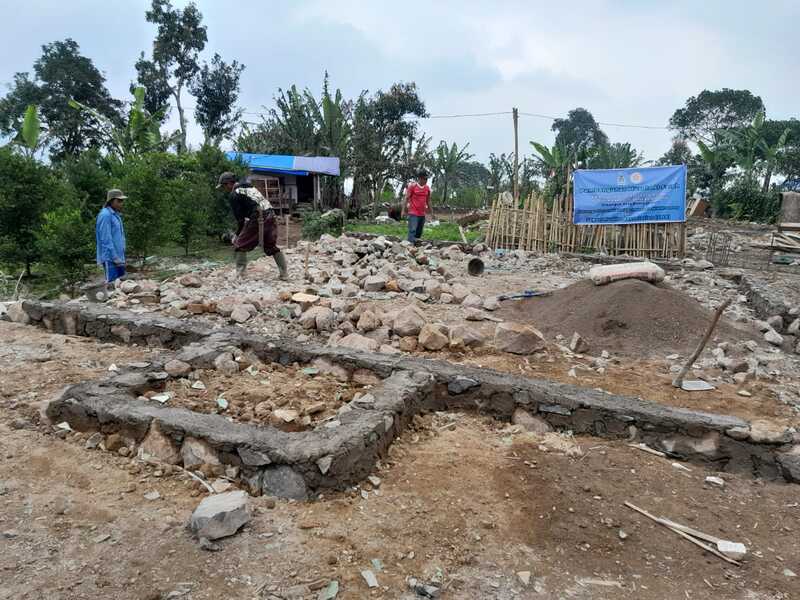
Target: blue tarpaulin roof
[288,165]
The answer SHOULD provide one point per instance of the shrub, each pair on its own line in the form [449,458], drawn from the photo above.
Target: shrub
[744,201]
[67,241]
[316,224]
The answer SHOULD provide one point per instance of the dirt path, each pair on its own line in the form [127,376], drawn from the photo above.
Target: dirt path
[462,500]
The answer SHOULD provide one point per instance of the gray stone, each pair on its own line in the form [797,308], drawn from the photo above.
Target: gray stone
[518,338]
[17,314]
[284,482]
[738,433]
[94,441]
[459,292]
[253,458]
[765,432]
[433,288]
[320,318]
[225,364]
[177,368]
[242,313]
[408,321]
[196,453]
[794,328]
[220,515]
[578,344]
[472,301]
[355,341]
[530,422]
[324,463]
[789,463]
[491,304]
[773,337]
[375,283]
[776,322]
[461,384]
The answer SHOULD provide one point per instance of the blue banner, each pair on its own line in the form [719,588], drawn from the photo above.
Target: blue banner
[622,196]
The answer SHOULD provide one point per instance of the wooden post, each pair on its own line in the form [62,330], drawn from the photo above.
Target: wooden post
[678,381]
[515,114]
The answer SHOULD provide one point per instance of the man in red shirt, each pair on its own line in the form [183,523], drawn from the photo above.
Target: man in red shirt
[418,197]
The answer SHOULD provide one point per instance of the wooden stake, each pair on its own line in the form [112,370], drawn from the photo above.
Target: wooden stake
[678,381]
[684,535]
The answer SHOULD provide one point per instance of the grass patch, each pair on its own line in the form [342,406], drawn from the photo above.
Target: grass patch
[444,232]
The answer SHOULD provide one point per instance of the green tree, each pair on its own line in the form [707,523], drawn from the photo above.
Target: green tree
[712,111]
[499,167]
[555,163]
[381,126]
[90,179]
[155,80]
[210,162]
[66,239]
[180,37]
[615,156]
[751,147]
[414,156]
[447,164]
[27,190]
[579,133]
[681,154]
[717,158]
[150,211]
[216,90]
[62,74]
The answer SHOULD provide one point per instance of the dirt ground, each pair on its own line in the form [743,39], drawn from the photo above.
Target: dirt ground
[463,501]
[290,398]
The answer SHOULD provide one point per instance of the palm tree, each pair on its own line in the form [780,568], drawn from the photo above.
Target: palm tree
[556,162]
[750,144]
[446,164]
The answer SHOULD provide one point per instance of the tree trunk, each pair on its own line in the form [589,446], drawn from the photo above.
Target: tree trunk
[181,117]
[767,179]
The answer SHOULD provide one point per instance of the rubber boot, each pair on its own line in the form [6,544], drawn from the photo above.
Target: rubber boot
[280,260]
[241,263]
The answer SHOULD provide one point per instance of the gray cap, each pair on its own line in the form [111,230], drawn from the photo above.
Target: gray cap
[115,195]
[226,177]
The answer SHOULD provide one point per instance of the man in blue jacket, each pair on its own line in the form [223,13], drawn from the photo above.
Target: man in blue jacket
[110,236]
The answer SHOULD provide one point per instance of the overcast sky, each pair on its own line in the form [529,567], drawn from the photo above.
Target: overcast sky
[629,61]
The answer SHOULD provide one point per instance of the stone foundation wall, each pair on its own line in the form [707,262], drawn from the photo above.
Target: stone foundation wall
[294,464]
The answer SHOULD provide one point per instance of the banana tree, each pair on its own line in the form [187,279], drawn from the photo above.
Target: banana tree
[30,131]
[717,159]
[615,156]
[446,163]
[141,134]
[556,162]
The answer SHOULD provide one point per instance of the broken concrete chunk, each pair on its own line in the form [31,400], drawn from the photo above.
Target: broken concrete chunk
[375,283]
[370,578]
[355,341]
[733,550]
[472,301]
[577,344]
[645,271]
[253,458]
[17,314]
[461,384]
[320,318]
[220,515]
[773,337]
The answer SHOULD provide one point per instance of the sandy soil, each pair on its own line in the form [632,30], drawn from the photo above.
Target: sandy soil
[462,500]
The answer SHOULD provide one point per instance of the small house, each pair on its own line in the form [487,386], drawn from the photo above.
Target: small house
[288,181]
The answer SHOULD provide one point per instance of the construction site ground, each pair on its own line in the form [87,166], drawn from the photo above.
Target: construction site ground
[464,500]
[477,507]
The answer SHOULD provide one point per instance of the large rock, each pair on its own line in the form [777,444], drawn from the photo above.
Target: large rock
[789,463]
[160,446]
[130,287]
[408,343]
[177,368]
[305,301]
[284,482]
[433,288]
[375,283]
[17,314]
[368,321]
[773,337]
[225,364]
[320,318]
[578,344]
[794,328]
[765,432]
[518,338]
[192,281]
[472,301]
[220,515]
[196,453]
[431,337]
[242,312]
[408,321]
[530,422]
[463,335]
[355,341]
[458,292]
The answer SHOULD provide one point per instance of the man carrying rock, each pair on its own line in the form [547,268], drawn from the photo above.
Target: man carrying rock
[256,223]
[110,236]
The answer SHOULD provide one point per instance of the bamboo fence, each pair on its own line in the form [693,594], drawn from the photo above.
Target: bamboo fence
[535,227]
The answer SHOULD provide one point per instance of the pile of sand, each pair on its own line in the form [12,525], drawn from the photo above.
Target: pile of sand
[628,317]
